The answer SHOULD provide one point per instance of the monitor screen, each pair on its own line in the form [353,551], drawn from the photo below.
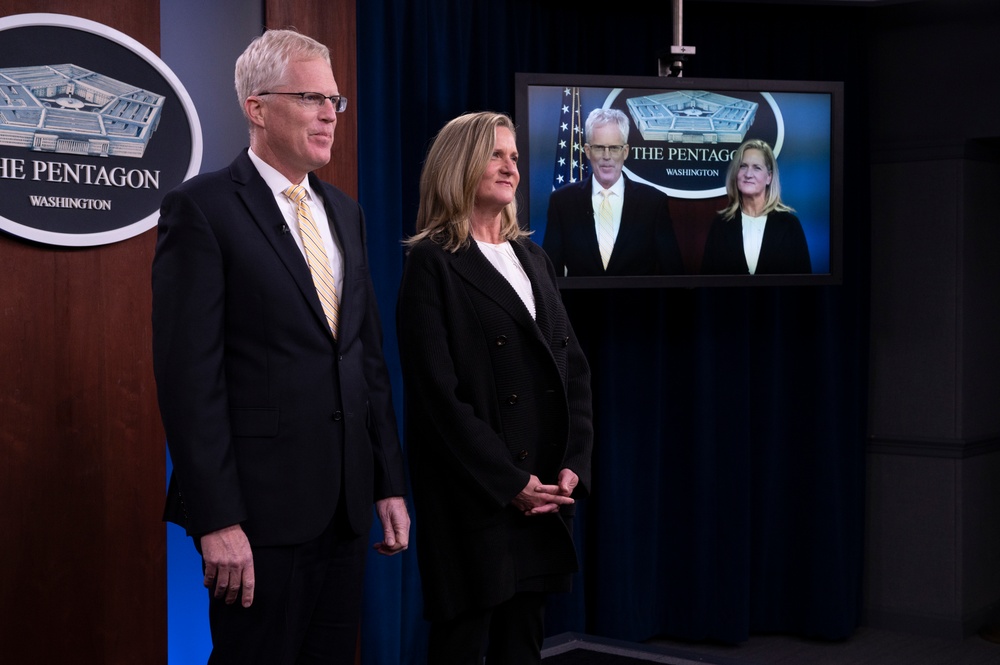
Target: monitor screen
[699,200]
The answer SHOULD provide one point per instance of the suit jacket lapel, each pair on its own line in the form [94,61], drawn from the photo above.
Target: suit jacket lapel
[535,271]
[773,244]
[629,231]
[629,226]
[263,210]
[341,235]
[480,273]
[589,218]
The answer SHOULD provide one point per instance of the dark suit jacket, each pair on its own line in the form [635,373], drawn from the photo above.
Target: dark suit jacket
[268,418]
[783,249]
[491,397]
[646,243]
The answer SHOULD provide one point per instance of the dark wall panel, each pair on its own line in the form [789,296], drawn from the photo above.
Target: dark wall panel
[331,22]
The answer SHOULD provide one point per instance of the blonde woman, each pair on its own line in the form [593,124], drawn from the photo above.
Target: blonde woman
[498,404]
[756,234]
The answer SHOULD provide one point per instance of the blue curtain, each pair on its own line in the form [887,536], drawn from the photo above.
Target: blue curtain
[729,461]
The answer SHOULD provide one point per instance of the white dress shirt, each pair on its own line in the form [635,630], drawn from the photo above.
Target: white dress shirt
[617,200]
[753,238]
[278,184]
[504,259]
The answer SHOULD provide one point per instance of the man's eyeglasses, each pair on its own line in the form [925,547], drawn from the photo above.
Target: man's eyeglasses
[314,99]
[615,150]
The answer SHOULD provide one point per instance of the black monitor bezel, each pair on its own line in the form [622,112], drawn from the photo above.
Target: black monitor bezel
[523,82]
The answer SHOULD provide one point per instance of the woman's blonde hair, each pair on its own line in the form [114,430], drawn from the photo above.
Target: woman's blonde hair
[454,166]
[772,197]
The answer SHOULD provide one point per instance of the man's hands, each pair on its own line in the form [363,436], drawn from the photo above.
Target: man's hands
[228,564]
[229,560]
[539,499]
[395,525]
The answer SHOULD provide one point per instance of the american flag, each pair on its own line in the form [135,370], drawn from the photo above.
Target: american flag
[571,163]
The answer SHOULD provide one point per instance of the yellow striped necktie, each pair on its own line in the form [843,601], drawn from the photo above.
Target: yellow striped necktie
[605,227]
[319,264]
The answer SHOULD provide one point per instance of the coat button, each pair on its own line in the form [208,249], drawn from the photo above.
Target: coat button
[565,342]
[523,455]
[337,415]
[512,400]
[501,340]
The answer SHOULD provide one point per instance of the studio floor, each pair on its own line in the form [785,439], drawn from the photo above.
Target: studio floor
[867,646]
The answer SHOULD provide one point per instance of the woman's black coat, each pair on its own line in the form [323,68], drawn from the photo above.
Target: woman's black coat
[491,396]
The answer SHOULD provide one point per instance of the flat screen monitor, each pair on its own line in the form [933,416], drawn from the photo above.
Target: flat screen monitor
[683,135]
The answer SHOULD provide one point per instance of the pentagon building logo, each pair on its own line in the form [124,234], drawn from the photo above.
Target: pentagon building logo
[682,140]
[692,116]
[94,130]
[72,110]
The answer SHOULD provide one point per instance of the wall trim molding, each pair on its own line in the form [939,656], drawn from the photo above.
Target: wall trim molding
[933,625]
[976,149]
[939,448]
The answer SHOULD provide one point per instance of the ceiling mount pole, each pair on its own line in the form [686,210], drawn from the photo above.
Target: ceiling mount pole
[679,53]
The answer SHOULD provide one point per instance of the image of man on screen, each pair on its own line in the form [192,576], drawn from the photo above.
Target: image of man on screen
[608,224]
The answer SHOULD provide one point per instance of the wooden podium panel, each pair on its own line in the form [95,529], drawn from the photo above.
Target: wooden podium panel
[82,458]
[332,22]
[82,454]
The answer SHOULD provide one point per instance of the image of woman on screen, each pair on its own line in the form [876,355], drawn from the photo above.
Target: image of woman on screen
[498,404]
[756,233]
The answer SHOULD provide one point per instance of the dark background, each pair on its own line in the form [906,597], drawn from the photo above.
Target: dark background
[730,423]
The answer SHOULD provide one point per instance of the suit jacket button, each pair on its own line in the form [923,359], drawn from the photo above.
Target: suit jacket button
[501,340]
[337,415]
[523,455]
[512,400]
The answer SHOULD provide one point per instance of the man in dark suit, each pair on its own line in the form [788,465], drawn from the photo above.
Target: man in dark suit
[272,387]
[608,224]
